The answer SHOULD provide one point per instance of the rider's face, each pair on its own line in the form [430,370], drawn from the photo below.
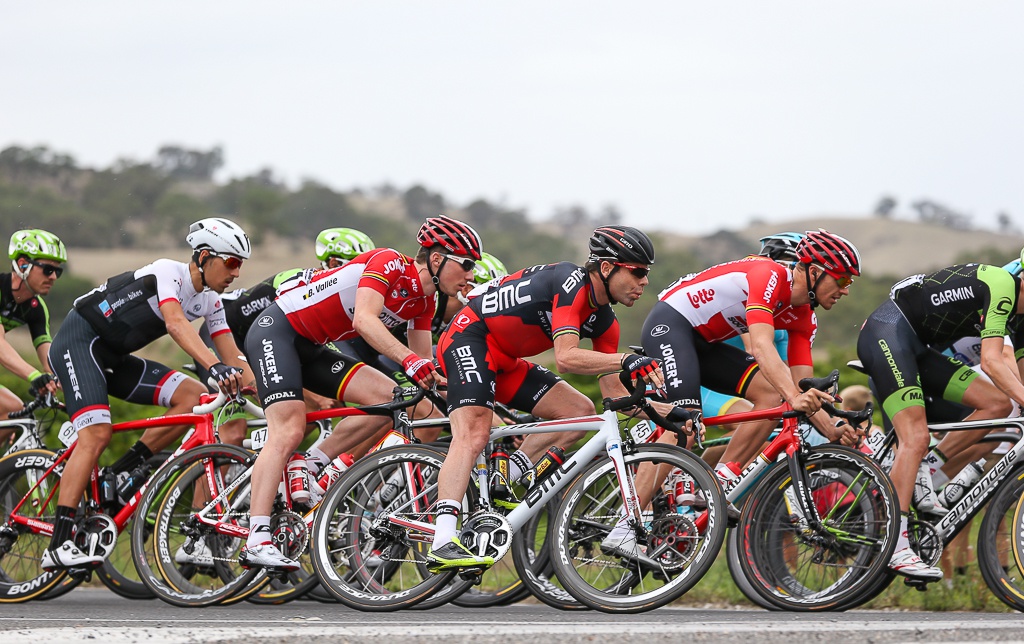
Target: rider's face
[454,278]
[626,284]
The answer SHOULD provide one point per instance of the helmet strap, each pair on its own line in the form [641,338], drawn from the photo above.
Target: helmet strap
[199,265]
[434,277]
[604,280]
[810,289]
[23,275]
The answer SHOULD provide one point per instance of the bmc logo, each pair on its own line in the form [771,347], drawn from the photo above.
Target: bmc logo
[702,296]
[574,278]
[505,297]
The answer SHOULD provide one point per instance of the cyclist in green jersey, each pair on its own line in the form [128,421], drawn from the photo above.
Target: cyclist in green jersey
[895,346]
[37,259]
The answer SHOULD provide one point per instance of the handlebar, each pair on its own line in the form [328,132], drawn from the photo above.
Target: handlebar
[42,401]
[222,399]
[637,399]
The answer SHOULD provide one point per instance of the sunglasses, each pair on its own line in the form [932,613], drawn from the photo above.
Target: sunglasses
[232,262]
[844,280]
[466,263]
[638,272]
[48,269]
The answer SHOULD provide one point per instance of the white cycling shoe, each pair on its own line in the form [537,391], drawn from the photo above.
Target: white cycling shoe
[906,562]
[67,555]
[201,555]
[266,555]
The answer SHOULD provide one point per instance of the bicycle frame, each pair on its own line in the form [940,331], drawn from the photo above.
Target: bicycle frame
[28,438]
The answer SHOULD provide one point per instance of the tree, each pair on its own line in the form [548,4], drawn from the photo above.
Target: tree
[420,203]
[884,207]
[181,163]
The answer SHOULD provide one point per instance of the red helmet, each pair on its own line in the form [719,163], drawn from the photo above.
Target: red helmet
[836,254]
[456,237]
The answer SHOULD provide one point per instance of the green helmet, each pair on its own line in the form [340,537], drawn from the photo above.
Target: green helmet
[37,244]
[488,268]
[344,243]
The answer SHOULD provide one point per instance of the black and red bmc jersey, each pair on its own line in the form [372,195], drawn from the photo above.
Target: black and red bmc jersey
[524,312]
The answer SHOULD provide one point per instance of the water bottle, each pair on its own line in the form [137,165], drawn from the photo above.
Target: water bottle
[958,486]
[129,484]
[728,474]
[499,472]
[108,492]
[331,473]
[544,467]
[298,478]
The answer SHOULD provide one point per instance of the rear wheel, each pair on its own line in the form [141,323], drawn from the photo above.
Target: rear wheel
[1000,544]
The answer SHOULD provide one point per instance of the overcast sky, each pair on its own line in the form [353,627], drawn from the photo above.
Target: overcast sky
[690,116]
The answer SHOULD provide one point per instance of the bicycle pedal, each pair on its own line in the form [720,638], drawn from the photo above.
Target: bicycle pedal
[82,573]
[474,575]
[917,584]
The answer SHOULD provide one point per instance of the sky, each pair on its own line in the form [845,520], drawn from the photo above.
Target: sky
[687,116]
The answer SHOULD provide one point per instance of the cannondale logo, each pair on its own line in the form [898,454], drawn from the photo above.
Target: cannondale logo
[265,321]
[337,367]
[659,330]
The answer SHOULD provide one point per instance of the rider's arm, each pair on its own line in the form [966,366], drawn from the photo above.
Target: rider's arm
[421,342]
[366,322]
[995,367]
[12,360]
[224,344]
[762,347]
[184,334]
[570,357]
[43,353]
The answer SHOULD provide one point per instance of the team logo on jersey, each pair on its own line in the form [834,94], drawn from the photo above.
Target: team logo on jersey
[462,320]
[196,307]
[659,330]
[337,367]
[703,296]
[403,292]
[265,321]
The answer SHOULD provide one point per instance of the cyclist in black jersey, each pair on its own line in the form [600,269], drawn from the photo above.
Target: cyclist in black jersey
[937,309]
[36,262]
[92,356]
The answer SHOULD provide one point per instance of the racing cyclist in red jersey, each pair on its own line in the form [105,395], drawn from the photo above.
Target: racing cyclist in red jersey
[482,352]
[370,295]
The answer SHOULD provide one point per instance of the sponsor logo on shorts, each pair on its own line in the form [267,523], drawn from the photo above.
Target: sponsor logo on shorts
[281,395]
[337,367]
[265,321]
[659,330]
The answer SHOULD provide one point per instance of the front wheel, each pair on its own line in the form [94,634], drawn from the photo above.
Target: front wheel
[796,566]
[669,553]
[1001,545]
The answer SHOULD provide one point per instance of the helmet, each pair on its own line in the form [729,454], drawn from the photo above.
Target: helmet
[622,244]
[836,254]
[344,243]
[456,237]
[219,235]
[37,244]
[781,246]
[488,268]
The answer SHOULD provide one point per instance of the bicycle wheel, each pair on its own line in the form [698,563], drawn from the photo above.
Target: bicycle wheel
[732,558]
[165,523]
[21,578]
[531,554]
[367,551]
[1000,543]
[797,567]
[501,584]
[680,548]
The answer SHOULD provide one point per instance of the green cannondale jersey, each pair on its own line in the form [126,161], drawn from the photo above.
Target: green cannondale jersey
[966,300]
[31,312]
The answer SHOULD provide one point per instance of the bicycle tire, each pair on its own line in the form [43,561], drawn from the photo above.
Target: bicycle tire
[168,502]
[354,564]
[531,555]
[732,558]
[1000,543]
[680,548]
[21,578]
[857,502]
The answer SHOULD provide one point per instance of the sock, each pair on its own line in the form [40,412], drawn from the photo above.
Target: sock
[621,527]
[935,460]
[902,541]
[316,460]
[518,464]
[63,525]
[137,455]
[939,478]
[259,531]
[446,524]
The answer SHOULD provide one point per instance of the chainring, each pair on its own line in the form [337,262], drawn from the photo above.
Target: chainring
[96,535]
[487,534]
[289,533]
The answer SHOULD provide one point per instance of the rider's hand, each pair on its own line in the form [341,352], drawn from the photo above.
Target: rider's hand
[228,378]
[693,417]
[809,401]
[643,368]
[41,382]
[421,370]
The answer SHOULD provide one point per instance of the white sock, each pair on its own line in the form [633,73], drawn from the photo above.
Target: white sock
[518,464]
[259,531]
[621,527]
[316,459]
[902,541]
[446,526]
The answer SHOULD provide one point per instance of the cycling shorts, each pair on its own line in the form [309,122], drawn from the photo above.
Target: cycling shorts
[903,369]
[90,370]
[689,361]
[479,373]
[285,362]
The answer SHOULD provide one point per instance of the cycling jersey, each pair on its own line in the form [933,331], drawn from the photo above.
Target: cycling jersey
[320,304]
[31,312]
[723,301]
[125,311]
[243,306]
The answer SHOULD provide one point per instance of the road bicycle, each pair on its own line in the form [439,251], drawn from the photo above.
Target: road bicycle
[26,426]
[29,487]
[385,504]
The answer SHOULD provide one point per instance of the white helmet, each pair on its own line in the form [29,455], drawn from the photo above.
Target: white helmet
[219,236]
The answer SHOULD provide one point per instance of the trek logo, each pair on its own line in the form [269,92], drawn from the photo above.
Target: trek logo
[668,362]
[702,296]
[254,307]
[573,280]
[320,287]
[393,265]
[659,330]
[505,297]
[270,363]
[72,376]
[467,365]
[769,290]
[952,295]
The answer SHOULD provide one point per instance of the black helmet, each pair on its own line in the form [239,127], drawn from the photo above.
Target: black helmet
[621,244]
[781,246]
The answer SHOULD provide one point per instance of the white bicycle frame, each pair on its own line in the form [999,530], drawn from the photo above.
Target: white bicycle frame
[29,437]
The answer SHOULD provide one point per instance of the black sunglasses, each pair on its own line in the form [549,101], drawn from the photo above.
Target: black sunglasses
[638,272]
[466,263]
[48,269]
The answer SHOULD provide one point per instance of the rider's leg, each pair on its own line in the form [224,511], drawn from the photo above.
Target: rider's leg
[749,438]
[562,401]
[471,428]
[987,401]
[357,435]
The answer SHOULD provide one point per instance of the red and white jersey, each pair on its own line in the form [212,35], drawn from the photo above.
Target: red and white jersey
[321,304]
[723,301]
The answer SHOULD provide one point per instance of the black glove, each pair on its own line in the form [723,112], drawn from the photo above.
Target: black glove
[222,373]
[638,366]
[680,415]
[38,383]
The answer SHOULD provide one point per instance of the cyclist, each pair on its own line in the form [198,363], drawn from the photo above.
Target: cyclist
[374,293]
[521,315]
[687,327]
[36,262]
[92,355]
[938,309]
[337,246]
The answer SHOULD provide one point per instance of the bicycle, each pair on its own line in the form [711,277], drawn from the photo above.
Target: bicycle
[385,503]
[30,480]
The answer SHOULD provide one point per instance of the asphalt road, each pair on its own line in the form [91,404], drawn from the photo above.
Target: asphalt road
[97,615]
